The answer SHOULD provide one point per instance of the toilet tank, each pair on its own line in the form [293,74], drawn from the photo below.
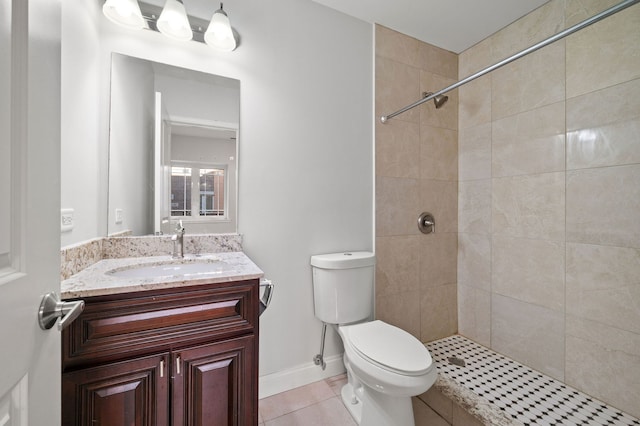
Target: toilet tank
[343,286]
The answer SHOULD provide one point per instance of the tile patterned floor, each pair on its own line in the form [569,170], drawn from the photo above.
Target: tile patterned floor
[316,404]
[525,394]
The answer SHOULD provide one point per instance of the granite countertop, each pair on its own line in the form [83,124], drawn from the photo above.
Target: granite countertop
[96,280]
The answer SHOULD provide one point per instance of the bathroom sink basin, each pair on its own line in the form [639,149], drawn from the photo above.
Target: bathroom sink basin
[169,269]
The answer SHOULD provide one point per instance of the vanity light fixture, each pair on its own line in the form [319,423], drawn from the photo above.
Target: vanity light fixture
[124,12]
[219,34]
[173,21]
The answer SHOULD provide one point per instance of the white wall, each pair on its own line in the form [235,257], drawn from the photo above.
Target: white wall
[131,126]
[206,100]
[306,150]
[5,129]
[84,153]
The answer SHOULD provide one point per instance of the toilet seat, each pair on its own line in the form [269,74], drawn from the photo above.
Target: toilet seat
[389,347]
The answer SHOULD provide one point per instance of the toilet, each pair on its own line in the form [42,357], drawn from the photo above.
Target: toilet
[385,365]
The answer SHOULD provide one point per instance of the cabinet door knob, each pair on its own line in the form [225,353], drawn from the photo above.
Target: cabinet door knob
[178,362]
[162,367]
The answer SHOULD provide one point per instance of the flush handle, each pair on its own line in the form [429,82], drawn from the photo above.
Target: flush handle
[426,223]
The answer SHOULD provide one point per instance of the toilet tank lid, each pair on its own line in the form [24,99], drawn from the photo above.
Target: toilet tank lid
[344,260]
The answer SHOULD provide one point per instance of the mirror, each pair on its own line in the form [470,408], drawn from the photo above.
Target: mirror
[173,149]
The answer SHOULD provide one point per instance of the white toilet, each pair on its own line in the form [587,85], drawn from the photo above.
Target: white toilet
[386,366]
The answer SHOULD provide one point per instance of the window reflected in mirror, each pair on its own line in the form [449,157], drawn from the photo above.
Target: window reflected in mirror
[207,198]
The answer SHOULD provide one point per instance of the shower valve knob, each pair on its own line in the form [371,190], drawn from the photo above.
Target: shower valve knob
[426,223]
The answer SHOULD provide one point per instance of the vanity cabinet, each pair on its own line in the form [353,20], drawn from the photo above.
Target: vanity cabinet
[176,356]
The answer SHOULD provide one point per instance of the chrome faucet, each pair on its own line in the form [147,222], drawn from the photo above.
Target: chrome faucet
[178,242]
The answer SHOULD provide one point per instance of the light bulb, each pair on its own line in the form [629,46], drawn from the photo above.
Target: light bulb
[173,21]
[125,13]
[219,34]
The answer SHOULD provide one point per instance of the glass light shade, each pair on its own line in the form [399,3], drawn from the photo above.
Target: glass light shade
[125,13]
[173,21]
[219,34]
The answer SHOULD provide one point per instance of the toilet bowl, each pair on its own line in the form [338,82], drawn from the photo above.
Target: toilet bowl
[385,365]
[388,359]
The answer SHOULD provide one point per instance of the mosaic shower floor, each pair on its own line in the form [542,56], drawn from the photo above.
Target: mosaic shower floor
[527,395]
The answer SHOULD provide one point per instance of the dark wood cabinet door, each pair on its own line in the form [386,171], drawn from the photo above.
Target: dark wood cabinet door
[128,393]
[216,384]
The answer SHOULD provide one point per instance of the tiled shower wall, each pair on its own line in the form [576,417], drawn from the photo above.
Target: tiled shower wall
[549,199]
[416,171]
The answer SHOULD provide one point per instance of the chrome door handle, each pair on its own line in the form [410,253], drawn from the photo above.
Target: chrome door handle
[52,308]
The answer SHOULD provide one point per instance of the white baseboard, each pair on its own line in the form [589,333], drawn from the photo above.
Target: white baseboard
[271,384]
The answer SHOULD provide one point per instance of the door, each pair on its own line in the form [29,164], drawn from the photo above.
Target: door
[162,169]
[29,209]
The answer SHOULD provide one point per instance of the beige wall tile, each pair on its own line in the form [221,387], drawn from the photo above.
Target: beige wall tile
[437,259]
[447,115]
[611,145]
[530,82]
[474,206]
[438,403]
[398,149]
[475,58]
[603,285]
[603,127]
[441,199]
[475,103]
[401,310]
[616,60]
[528,333]
[529,206]
[397,206]
[536,206]
[438,153]
[474,260]
[474,314]
[614,104]
[603,206]
[438,312]
[603,361]
[397,85]
[462,417]
[529,142]
[474,146]
[541,23]
[438,61]
[529,270]
[425,416]
[579,10]
[397,265]
[398,47]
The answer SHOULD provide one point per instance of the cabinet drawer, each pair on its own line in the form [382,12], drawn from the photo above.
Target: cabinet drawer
[125,325]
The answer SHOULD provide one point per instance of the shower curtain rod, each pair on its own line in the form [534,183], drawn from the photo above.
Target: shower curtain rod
[608,12]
